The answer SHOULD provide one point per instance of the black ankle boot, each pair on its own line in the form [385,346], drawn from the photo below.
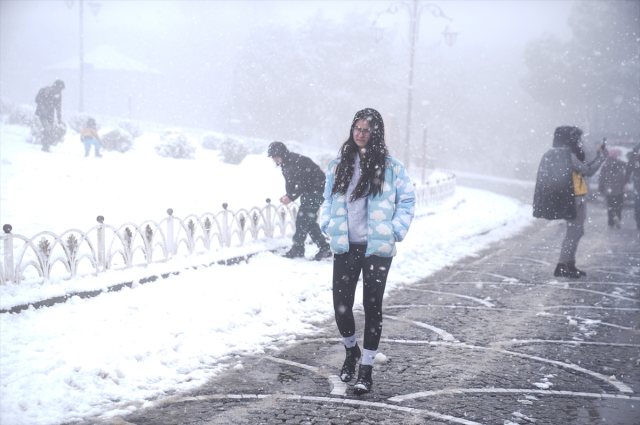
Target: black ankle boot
[364,382]
[349,366]
[562,270]
[571,265]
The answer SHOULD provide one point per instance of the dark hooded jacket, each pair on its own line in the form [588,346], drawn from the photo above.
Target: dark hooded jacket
[301,174]
[49,102]
[554,194]
[612,177]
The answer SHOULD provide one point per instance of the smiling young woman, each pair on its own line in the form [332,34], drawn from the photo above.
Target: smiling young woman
[369,206]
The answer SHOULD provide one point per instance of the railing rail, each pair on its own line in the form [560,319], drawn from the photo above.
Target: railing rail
[106,247]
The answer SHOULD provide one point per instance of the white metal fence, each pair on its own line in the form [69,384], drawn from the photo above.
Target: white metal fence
[106,247]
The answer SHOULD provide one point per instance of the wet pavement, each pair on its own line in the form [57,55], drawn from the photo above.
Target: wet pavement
[494,339]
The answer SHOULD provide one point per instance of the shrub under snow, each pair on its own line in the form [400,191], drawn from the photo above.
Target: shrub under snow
[6,106]
[131,127]
[37,133]
[117,140]
[79,121]
[233,151]
[212,141]
[175,145]
[23,115]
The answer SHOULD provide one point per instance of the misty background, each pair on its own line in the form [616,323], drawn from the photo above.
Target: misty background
[284,70]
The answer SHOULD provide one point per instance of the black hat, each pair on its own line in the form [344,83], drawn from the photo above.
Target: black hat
[277,149]
[59,84]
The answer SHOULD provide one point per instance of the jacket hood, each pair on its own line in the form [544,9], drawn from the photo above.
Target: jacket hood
[277,149]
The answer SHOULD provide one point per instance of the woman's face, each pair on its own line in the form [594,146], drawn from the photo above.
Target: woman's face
[361,133]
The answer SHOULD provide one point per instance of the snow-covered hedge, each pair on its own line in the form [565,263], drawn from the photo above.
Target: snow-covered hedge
[175,145]
[233,150]
[23,115]
[212,141]
[37,133]
[6,106]
[79,121]
[117,140]
[131,127]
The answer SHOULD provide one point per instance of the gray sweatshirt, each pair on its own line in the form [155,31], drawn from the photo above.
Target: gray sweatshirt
[357,210]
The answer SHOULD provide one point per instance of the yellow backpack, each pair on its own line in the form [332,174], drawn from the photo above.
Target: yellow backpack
[579,185]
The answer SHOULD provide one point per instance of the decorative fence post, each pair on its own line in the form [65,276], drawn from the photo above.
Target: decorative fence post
[101,244]
[170,248]
[8,253]
[226,234]
[268,228]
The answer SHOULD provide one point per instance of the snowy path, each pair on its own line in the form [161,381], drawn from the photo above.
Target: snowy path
[87,357]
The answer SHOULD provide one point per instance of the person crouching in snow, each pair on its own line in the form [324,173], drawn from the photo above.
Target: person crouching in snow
[90,137]
[369,206]
[304,179]
[560,189]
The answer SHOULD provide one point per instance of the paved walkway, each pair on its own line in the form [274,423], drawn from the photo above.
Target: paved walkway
[495,339]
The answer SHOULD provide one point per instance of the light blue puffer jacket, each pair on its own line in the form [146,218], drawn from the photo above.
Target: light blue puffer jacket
[390,213]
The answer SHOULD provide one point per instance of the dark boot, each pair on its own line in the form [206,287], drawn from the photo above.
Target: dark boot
[562,270]
[349,367]
[98,154]
[364,382]
[572,268]
[323,253]
[295,252]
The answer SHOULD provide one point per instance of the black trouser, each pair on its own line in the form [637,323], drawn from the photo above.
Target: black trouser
[614,207]
[307,220]
[47,132]
[346,271]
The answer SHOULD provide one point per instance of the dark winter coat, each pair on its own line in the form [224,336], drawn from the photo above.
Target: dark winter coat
[612,177]
[633,167]
[49,101]
[553,197]
[301,175]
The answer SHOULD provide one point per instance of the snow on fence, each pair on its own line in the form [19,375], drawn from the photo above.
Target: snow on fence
[105,247]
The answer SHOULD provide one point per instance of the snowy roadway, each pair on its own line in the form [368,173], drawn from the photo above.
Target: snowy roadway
[114,353]
[87,357]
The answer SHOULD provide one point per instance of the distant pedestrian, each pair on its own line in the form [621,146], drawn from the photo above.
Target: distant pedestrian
[560,189]
[49,103]
[611,183]
[633,174]
[90,137]
[304,179]
[369,206]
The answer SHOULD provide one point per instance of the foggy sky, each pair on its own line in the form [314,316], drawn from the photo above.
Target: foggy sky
[170,35]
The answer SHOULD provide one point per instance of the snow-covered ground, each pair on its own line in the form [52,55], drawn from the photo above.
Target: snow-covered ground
[112,354]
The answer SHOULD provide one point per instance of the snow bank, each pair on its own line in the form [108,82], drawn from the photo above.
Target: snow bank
[112,354]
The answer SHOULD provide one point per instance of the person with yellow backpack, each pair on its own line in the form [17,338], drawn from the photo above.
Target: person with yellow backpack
[560,192]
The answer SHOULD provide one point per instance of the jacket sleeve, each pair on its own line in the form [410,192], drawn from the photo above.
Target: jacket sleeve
[587,170]
[405,204]
[325,211]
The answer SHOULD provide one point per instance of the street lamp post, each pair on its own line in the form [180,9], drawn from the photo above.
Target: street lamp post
[95,7]
[415,10]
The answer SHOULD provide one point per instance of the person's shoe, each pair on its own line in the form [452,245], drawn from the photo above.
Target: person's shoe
[562,270]
[98,155]
[364,382]
[348,370]
[572,268]
[616,222]
[86,154]
[294,252]
[323,253]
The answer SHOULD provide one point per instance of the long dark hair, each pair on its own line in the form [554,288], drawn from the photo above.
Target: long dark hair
[571,137]
[373,161]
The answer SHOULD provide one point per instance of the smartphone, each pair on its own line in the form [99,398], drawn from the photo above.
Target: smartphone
[604,143]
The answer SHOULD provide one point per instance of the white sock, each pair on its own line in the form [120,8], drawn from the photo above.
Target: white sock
[368,356]
[350,341]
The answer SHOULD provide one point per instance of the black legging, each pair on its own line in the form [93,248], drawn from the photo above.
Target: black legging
[346,271]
